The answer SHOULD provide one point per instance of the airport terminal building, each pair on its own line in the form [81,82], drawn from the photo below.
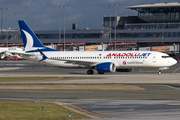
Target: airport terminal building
[156,27]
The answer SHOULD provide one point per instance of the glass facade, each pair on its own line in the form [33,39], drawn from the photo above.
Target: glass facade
[69,36]
[100,36]
[152,26]
[107,24]
[118,35]
[159,14]
[149,35]
[110,22]
[11,37]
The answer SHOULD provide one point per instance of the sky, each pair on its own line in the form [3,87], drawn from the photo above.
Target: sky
[44,14]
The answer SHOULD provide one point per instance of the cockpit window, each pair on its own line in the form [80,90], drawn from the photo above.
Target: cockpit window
[165,56]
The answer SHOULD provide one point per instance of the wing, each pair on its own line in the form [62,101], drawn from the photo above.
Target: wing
[80,62]
[2,52]
[22,53]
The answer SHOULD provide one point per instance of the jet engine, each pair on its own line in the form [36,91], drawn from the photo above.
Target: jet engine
[106,67]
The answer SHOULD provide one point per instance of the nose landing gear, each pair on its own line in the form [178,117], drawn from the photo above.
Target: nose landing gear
[161,69]
[159,72]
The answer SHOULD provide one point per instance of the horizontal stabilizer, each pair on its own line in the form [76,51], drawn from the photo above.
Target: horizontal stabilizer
[43,55]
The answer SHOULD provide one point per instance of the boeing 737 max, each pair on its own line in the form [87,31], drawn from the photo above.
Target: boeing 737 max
[102,61]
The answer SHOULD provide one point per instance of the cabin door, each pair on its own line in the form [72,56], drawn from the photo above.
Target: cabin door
[154,58]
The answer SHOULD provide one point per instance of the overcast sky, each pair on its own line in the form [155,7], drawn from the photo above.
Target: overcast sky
[44,14]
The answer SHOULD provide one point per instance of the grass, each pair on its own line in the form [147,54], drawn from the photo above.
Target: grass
[33,111]
[61,87]
[32,79]
[74,87]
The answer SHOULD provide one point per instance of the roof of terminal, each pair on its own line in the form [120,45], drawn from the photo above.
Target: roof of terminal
[174,4]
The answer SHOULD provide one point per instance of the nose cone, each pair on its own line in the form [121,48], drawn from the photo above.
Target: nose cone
[173,61]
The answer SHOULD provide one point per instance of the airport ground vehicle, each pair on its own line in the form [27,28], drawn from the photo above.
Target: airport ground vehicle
[15,58]
[7,58]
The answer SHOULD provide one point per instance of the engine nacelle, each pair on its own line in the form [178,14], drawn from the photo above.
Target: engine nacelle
[106,67]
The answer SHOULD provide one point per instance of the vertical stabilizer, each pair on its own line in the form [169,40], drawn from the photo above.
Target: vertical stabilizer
[30,40]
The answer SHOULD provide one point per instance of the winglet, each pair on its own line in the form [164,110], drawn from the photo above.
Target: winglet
[43,55]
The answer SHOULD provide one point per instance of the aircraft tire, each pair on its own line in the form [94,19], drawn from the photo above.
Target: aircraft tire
[90,72]
[159,72]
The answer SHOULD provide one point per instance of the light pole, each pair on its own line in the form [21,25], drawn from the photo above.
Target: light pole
[1,23]
[6,26]
[79,25]
[102,36]
[115,28]
[102,25]
[64,27]
[60,24]
[110,22]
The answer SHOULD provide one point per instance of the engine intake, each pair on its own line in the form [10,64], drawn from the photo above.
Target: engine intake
[106,67]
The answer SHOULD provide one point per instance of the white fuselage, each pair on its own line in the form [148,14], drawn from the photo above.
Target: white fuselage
[122,59]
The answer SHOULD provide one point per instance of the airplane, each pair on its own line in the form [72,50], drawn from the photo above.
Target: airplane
[6,51]
[101,61]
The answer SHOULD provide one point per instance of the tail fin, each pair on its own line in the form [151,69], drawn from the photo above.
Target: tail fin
[30,41]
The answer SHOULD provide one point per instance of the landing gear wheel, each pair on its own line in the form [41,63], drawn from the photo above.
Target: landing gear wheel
[100,73]
[159,72]
[90,72]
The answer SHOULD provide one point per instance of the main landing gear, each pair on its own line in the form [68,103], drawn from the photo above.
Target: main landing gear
[90,72]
